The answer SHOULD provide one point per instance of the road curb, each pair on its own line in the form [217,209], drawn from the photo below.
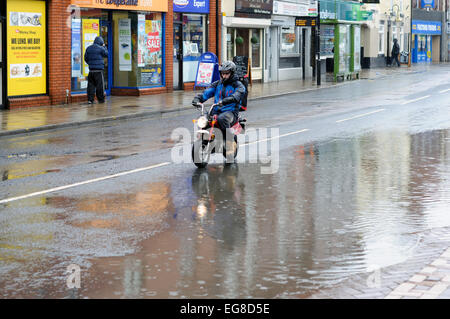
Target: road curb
[142,114]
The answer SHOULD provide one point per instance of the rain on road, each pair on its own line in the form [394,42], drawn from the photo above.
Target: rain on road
[363,173]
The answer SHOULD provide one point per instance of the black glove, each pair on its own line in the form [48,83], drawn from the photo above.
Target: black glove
[196,101]
[227,100]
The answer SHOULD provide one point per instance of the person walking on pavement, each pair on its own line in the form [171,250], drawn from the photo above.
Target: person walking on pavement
[395,52]
[94,58]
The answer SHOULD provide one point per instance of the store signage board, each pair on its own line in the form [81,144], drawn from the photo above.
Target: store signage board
[305,22]
[294,9]
[191,6]
[26,47]
[426,27]
[427,4]
[254,6]
[207,71]
[139,5]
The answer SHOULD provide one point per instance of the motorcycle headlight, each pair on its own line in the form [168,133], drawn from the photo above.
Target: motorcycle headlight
[202,122]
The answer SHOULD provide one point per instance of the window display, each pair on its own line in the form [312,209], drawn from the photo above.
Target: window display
[136,49]
[139,56]
[194,43]
[326,40]
[290,48]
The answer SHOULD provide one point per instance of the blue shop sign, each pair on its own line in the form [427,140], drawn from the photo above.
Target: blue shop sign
[427,4]
[194,6]
[426,27]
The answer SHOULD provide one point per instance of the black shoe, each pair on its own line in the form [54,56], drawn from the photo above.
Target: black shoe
[101,102]
[90,102]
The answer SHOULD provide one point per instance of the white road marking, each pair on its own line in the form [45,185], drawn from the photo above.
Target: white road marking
[358,116]
[443,91]
[7,200]
[415,100]
[272,138]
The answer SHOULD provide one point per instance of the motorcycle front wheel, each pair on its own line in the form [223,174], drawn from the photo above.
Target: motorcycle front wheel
[200,153]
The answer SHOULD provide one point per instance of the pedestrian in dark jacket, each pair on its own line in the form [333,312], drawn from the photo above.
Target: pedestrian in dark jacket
[395,52]
[94,58]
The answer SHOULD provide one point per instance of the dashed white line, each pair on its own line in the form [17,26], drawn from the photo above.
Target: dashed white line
[358,116]
[443,91]
[415,100]
[51,190]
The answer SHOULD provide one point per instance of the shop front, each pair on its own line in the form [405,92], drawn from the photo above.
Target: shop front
[134,33]
[289,49]
[190,39]
[245,33]
[340,38]
[426,41]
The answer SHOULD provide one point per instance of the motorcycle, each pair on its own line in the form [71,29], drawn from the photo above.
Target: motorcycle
[206,142]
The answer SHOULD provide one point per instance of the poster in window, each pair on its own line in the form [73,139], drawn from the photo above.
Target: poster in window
[125,45]
[91,30]
[142,41]
[76,48]
[153,54]
[26,47]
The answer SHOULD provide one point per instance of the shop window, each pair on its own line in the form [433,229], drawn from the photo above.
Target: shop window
[194,43]
[326,40]
[84,31]
[138,49]
[230,43]
[290,48]
[255,40]
[381,39]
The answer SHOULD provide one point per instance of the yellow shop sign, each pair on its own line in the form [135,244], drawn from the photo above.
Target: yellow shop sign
[140,5]
[26,47]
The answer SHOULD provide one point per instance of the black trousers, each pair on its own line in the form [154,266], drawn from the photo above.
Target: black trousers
[394,59]
[96,86]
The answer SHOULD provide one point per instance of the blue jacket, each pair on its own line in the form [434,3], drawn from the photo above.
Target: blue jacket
[232,89]
[95,53]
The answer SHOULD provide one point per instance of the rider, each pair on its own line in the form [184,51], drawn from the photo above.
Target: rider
[228,93]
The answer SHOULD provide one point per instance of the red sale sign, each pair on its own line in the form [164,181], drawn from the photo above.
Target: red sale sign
[153,41]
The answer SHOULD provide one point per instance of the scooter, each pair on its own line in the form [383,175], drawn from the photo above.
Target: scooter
[206,142]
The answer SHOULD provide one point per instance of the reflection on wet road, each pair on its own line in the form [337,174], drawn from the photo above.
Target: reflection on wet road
[335,208]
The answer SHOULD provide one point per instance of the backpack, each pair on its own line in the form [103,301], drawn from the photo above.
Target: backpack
[243,102]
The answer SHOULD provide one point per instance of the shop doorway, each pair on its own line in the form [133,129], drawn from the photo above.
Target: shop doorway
[106,34]
[178,56]
[248,42]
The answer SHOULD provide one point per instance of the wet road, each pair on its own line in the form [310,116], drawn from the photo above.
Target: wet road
[363,172]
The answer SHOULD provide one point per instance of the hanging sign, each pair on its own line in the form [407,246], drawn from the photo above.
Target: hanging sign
[207,70]
[26,47]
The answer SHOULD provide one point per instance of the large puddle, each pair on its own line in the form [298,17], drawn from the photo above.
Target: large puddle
[334,209]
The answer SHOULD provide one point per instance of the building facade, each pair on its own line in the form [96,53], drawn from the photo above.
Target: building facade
[153,46]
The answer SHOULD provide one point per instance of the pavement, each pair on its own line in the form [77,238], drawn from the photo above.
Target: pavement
[426,275]
[32,119]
